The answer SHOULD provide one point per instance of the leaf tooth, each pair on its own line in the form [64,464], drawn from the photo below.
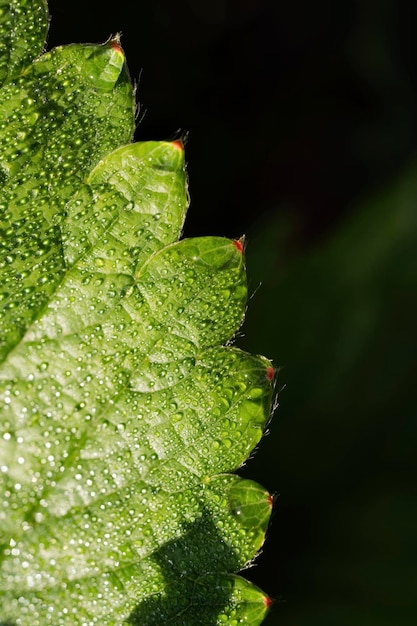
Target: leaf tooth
[105,65]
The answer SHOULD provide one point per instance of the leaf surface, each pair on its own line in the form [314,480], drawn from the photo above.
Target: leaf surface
[58,120]
[123,405]
[23,28]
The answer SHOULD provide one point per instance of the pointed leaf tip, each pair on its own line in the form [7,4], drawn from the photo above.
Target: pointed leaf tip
[268,602]
[270,373]
[106,64]
[115,45]
[238,244]
[178,144]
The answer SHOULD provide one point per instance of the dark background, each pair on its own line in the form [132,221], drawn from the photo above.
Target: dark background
[302,134]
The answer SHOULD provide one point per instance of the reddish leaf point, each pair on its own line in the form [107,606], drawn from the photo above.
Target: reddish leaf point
[271,500]
[270,372]
[115,44]
[268,602]
[238,245]
[178,145]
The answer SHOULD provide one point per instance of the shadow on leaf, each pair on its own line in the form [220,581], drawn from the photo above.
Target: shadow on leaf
[196,588]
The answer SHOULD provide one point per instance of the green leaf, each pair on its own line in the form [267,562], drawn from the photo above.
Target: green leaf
[123,405]
[23,28]
[58,120]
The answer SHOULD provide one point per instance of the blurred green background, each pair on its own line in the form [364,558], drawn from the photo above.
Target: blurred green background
[302,135]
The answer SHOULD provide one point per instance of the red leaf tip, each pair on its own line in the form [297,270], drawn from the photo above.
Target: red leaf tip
[268,602]
[115,45]
[270,372]
[178,145]
[271,500]
[238,244]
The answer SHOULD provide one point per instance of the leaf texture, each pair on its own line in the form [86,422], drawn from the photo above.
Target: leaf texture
[23,27]
[123,405]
